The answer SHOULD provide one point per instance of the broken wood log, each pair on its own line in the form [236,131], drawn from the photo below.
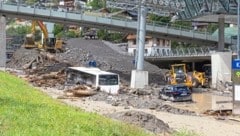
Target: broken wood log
[84,93]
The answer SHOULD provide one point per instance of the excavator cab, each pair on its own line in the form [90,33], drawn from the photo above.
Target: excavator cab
[53,44]
[29,42]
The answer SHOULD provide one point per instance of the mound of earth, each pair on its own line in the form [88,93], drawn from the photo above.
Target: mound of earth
[142,119]
[78,53]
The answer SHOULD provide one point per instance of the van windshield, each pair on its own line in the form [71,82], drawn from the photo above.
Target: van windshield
[108,79]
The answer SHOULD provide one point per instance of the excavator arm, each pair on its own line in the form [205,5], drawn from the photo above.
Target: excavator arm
[43,29]
[49,43]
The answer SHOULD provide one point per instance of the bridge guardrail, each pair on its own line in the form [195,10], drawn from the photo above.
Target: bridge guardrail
[182,52]
[151,26]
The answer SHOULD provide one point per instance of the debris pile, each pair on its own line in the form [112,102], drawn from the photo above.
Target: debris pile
[48,70]
[79,52]
[81,91]
[142,119]
[145,99]
[53,79]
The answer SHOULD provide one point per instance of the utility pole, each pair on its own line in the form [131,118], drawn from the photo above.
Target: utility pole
[139,77]
[142,33]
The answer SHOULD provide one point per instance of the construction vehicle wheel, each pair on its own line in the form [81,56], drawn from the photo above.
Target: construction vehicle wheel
[195,83]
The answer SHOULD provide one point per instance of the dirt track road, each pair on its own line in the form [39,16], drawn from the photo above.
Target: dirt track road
[205,126]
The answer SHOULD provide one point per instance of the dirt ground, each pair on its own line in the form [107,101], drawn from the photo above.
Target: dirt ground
[201,124]
[142,106]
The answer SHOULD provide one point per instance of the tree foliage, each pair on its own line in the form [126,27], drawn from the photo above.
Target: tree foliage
[20,30]
[110,36]
[58,28]
[102,34]
[30,2]
[153,17]
[71,34]
[97,4]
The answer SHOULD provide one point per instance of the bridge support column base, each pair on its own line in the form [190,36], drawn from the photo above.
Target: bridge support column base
[139,79]
[2,43]
[221,68]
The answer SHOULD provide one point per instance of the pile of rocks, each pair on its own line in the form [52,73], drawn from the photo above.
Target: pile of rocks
[79,52]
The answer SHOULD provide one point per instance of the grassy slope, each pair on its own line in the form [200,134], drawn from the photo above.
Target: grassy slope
[26,111]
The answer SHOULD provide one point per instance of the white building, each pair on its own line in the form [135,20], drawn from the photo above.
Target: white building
[153,46]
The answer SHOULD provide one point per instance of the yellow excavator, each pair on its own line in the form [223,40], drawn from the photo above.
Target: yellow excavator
[178,75]
[51,44]
[29,41]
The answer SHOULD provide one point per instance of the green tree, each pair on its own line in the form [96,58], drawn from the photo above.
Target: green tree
[162,19]
[71,34]
[58,28]
[212,27]
[97,4]
[30,2]
[102,34]
[20,30]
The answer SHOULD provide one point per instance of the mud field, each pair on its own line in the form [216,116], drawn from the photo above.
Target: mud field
[47,71]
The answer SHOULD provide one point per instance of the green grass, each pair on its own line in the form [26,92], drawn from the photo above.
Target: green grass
[25,111]
[185,132]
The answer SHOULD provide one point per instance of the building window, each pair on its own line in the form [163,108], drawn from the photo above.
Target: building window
[158,42]
[163,41]
[146,51]
[167,43]
[134,42]
[134,52]
[146,41]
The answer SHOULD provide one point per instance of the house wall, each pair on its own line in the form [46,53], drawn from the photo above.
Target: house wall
[153,46]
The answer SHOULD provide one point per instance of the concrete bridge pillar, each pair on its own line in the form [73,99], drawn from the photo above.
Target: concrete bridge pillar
[221,32]
[139,77]
[221,68]
[2,43]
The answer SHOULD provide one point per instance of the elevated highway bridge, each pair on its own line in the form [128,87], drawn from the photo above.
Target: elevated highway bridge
[152,29]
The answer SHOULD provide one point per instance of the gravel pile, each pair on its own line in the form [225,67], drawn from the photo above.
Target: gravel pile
[80,51]
[142,119]
[21,57]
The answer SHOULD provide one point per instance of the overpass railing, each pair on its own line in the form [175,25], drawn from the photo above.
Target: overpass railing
[153,27]
[181,52]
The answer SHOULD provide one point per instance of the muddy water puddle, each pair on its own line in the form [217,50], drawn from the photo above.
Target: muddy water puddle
[203,102]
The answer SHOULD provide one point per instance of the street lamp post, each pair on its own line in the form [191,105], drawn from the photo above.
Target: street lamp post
[141,35]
